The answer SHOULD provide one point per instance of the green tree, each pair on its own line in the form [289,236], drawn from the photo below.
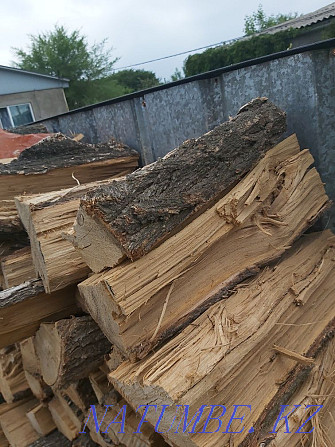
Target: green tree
[135,80]
[177,75]
[259,21]
[67,55]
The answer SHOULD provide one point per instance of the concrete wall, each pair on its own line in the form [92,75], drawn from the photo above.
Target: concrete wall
[45,103]
[155,121]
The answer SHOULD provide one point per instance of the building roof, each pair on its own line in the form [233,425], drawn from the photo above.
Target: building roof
[33,73]
[15,80]
[305,20]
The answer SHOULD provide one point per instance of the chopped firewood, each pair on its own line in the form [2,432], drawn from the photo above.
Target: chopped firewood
[69,350]
[24,307]
[13,383]
[46,217]
[139,305]
[17,427]
[58,162]
[18,268]
[226,357]
[136,214]
[41,419]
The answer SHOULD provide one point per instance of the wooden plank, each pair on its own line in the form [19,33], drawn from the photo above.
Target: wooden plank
[150,205]
[139,305]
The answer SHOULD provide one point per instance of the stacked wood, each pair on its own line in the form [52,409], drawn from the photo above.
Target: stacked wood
[132,216]
[159,294]
[254,340]
[204,297]
[23,308]
[58,162]
[17,268]
[46,217]
[77,345]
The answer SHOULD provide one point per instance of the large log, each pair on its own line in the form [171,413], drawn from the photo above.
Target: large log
[45,217]
[18,268]
[139,305]
[255,348]
[135,215]
[58,162]
[23,308]
[77,345]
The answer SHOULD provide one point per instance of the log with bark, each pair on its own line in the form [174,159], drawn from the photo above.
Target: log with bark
[256,347]
[69,350]
[139,305]
[46,217]
[59,162]
[55,439]
[23,308]
[133,216]
[18,268]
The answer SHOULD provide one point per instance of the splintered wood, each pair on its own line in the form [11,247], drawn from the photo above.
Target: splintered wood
[181,304]
[140,304]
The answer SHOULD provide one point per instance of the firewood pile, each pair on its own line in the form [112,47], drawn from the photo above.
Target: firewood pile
[181,304]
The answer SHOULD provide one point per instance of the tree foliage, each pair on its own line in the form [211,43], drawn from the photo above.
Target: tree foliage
[135,80]
[239,51]
[67,55]
[259,21]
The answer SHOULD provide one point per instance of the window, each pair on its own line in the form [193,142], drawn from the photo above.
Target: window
[17,115]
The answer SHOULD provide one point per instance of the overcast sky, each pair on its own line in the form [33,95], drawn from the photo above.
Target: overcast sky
[138,30]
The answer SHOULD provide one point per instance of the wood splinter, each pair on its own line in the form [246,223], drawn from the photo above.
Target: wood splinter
[294,355]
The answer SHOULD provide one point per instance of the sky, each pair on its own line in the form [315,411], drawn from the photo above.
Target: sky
[137,30]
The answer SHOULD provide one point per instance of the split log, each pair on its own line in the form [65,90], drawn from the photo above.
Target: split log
[17,427]
[81,394]
[65,419]
[55,439]
[23,308]
[56,162]
[32,370]
[69,350]
[318,389]
[228,352]
[84,440]
[139,305]
[45,217]
[102,388]
[13,383]
[41,420]
[18,268]
[133,216]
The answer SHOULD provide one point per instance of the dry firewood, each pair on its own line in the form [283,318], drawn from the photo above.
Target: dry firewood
[24,307]
[18,268]
[13,383]
[58,162]
[77,347]
[136,214]
[139,305]
[227,356]
[41,419]
[46,217]
[16,426]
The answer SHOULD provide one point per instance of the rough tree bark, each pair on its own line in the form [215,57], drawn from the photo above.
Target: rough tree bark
[155,201]
[69,350]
